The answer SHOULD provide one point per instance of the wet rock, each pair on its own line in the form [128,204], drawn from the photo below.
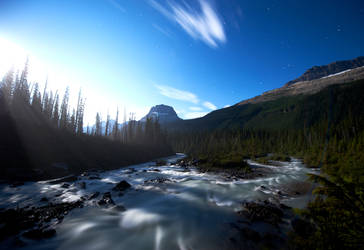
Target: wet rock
[121,186]
[155,170]
[119,208]
[266,212]
[44,199]
[94,195]
[106,200]
[38,234]
[36,220]
[158,180]
[161,163]
[65,185]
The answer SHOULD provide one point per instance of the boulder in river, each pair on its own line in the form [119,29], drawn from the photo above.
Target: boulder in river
[266,212]
[121,186]
[106,200]
[94,195]
[158,180]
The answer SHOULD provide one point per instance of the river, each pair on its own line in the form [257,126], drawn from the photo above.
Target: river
[167,207]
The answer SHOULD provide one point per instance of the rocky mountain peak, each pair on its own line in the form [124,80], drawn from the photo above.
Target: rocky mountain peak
[163,113]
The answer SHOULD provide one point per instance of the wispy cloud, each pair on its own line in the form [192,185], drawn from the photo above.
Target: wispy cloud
[117,5]
[192,115]
[162,30]
[203,24]
[195,108]
[177,94]
[209,105]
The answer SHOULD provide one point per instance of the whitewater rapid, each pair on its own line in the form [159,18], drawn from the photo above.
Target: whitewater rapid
[167,207]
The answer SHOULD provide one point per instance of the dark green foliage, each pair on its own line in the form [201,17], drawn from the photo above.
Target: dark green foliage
[326,130]
[336,216]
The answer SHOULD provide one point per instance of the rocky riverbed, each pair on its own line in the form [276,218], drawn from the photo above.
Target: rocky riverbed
[157,205]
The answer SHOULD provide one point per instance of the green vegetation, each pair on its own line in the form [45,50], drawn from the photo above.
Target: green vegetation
[273,157]
[336,217]
[326,130]
[233,163]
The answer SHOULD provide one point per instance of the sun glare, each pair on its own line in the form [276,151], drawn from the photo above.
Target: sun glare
[11,55]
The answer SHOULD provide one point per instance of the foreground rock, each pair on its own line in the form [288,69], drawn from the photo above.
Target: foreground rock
[106,200]
[35,222]
[121,186]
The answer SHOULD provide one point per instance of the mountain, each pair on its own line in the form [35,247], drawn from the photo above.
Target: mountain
[295,106]
[317,72]
[164,114]
[308,87]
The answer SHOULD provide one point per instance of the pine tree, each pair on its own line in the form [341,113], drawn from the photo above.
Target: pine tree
[98,127]
[7,86]
[64,110]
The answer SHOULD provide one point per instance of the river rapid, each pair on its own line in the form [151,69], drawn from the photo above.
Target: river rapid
[167,207]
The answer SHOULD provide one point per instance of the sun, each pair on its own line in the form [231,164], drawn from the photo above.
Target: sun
[11,56]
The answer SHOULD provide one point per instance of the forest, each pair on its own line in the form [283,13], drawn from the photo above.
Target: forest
[326,130]
[42,136]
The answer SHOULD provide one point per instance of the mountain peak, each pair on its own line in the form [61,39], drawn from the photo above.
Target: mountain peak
[163,113]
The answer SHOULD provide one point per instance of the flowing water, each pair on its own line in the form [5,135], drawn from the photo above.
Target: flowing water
[167,207]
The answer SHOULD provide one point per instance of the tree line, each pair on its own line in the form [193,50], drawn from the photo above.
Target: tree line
[41,130]
[17,92]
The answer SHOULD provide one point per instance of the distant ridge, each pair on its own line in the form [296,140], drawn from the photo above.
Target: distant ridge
[317,72]
[311,86]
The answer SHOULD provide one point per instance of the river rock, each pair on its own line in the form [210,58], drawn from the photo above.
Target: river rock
[266,212]
[44,199]
[121,186]
[106,200]
[94,195]
[158,180]
[35,220]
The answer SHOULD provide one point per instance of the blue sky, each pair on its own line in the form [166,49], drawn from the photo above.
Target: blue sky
[193,55]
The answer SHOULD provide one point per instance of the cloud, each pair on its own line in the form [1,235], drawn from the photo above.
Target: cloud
[204,25]
[195,108]
[210,105]
[116,5]
[177,94]
[192,115]
[162,30]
